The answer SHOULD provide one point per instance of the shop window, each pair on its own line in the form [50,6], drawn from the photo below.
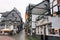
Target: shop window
[51,31]
[56,31]
[59,31]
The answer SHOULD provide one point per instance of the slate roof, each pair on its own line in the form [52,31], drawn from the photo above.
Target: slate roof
[29,6]
[40,8]
[5,14]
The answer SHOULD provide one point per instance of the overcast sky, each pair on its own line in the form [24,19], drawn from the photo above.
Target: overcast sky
[7,5]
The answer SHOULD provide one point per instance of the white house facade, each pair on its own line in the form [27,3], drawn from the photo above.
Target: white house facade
[49,25]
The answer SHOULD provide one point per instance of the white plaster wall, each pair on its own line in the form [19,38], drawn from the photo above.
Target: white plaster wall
[37,31]
[42,21]
[46,30]
[11,27]
[33,20]
[34,17]
[33,25]
[55,22]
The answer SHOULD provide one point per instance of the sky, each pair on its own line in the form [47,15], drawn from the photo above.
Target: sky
[8,5]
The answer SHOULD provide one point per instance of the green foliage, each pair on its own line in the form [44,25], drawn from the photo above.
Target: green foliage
[33,38]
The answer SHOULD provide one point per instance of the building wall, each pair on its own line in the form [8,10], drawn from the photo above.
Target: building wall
[42,21]
[34,20]
[12,16]
[55,22]
[39,30]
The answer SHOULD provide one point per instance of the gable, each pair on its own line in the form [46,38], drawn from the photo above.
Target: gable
[40,8]
[13,16]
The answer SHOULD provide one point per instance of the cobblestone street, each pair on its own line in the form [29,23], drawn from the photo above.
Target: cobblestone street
[6,38]
[20,36]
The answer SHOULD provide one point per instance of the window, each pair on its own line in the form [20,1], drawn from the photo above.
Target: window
[49,25]
[56,31]
[3,24]
[51,31]
[7,26]
[59,31]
